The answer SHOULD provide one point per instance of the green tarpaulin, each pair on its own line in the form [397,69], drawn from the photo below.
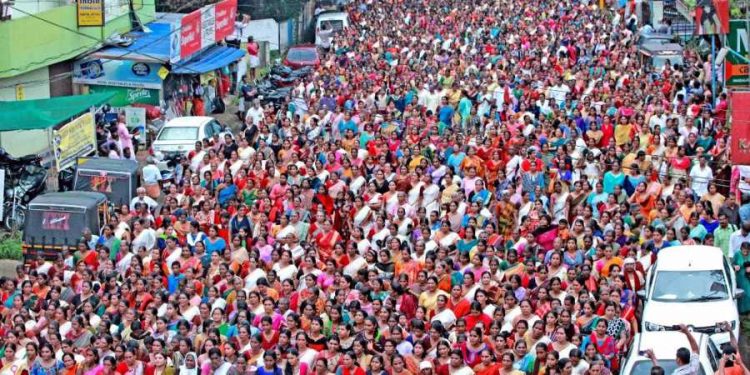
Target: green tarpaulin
[46,113]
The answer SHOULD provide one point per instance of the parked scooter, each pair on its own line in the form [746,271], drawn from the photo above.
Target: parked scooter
[22,187]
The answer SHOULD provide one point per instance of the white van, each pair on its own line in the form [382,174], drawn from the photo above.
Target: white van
[692,285]
[334,22]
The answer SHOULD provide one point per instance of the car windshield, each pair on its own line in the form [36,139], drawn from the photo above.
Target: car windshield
[178,134]
[669,365]
[335,25]
[298,54]
[690,286]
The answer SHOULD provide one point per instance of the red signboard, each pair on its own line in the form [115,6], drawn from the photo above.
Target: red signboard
[190,34]
[226,13]
[740,102]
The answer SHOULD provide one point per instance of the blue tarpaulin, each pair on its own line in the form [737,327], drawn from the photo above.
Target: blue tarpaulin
[152,46]
[211,59]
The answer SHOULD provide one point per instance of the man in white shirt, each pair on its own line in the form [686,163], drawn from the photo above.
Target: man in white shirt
[700,176]
[737,238]
[143,198]
[151,178]
[254,114]
[658,119]
[688,361]
[559,91]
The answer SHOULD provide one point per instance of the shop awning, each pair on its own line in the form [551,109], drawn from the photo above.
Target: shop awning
[46,113]
[211,59]
[152,46]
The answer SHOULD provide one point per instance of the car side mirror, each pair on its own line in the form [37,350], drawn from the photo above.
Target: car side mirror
[739,293]
[641,294]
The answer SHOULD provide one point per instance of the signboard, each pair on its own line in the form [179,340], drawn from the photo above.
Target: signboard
[90,12]
[735,69]
[174,42]
[208,26]
[74,139]
[190,34]
[121,73]
[712,17]
[128,96]
[226,13]
[135,118]
[740,144]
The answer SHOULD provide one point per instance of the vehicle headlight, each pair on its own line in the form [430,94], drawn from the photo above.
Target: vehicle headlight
[653,327]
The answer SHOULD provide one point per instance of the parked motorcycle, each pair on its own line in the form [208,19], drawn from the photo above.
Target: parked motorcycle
[25,178]
[30,182]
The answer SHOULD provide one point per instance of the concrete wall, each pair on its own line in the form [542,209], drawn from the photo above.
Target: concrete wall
[34,85]
[30,43]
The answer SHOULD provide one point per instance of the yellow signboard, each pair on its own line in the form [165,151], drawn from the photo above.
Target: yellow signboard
[74,139]
[90,12]
[20,93]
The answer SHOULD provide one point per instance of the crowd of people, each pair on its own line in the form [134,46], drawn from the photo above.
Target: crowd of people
[461,187]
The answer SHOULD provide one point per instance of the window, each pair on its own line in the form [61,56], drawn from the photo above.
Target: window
[690,286]
[296,54]
[178,134]
[335,25]
[52,220]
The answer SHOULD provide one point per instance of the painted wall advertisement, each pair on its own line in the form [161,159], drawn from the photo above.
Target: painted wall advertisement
[125,96]
[74,139]
[90,12]
[190,34]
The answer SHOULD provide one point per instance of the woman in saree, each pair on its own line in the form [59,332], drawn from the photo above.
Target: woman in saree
[326,240]
[11,365]
[643,199]
[430,194]
[415,193]
[78,333]
[480,194]
[514,266]
[559,202]
[604,343]
[360,213]
[587,320]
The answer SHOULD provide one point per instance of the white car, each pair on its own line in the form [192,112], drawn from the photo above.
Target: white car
[337,21]
[180,134]
[665,345]
[691,285]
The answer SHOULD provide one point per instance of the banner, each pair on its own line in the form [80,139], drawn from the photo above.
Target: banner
[135,118]
[735,68]
[712,17]
[226,13]
[90,12]
[190,34]
[121,73]
[74,139]
[208,26]
[740,146]
[125,96]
